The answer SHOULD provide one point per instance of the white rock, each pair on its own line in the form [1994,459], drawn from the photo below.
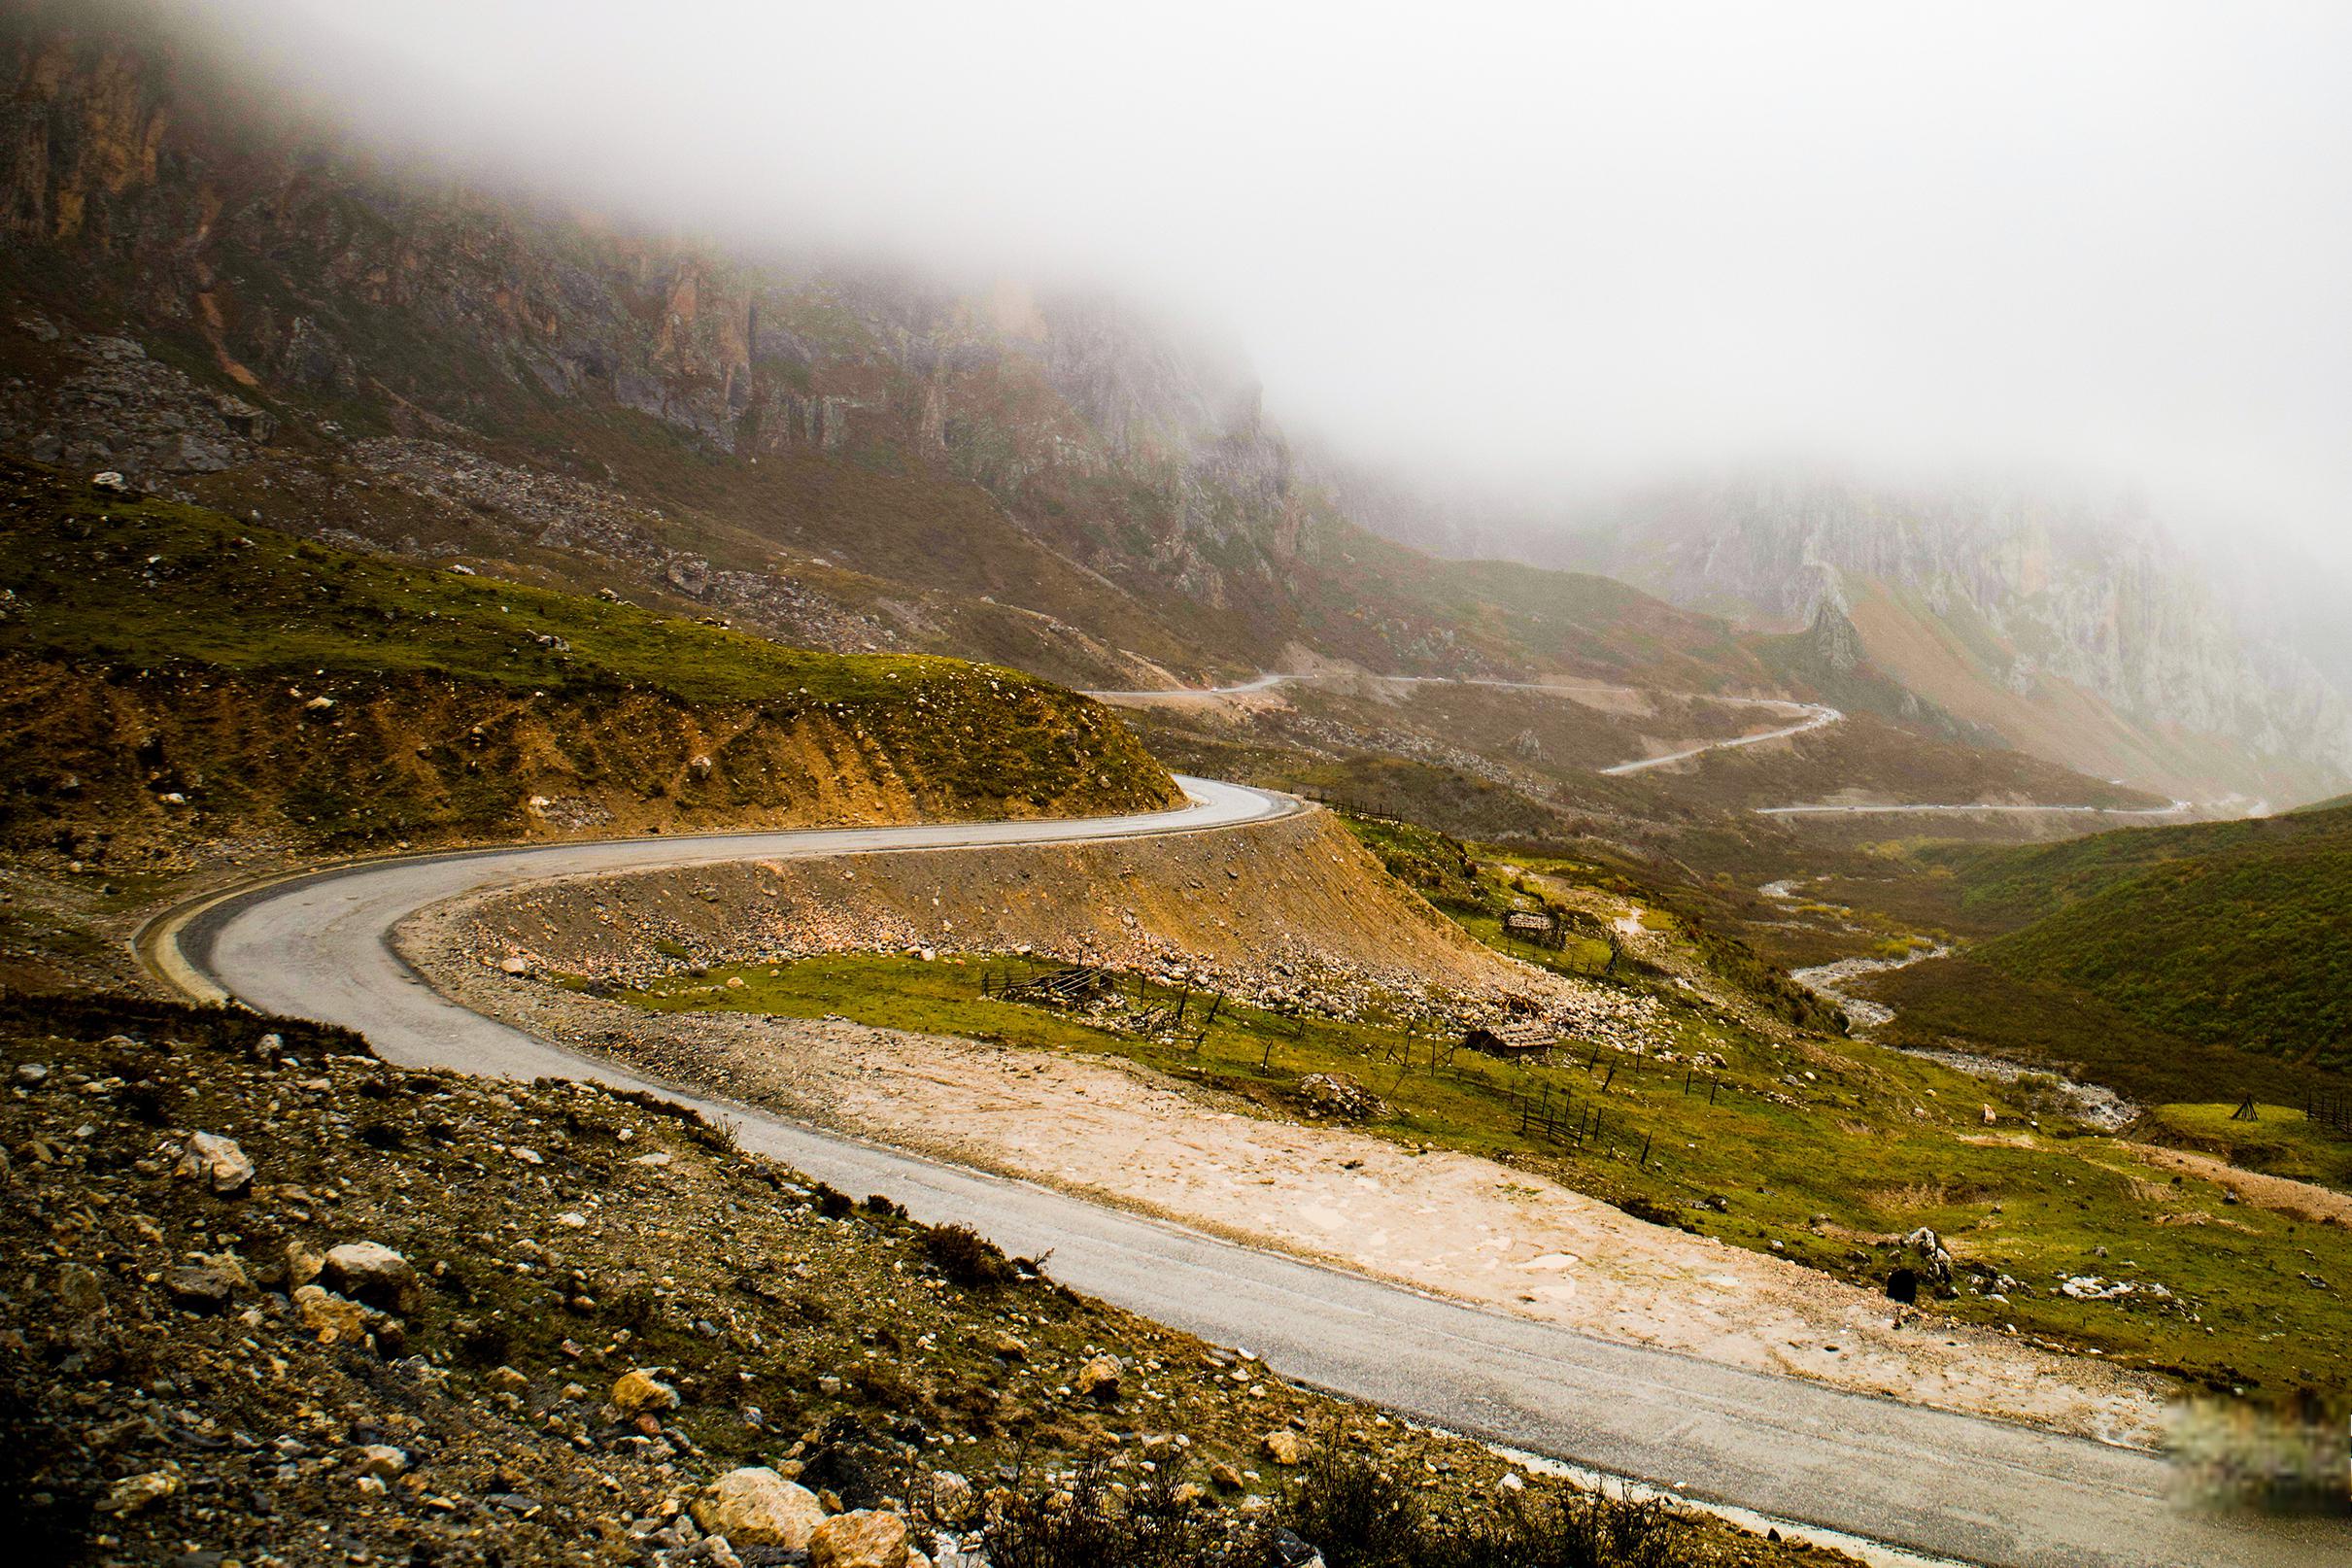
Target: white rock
[218,1162]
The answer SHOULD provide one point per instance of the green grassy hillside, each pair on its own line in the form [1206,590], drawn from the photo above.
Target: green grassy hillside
[166,668]
[2011,887]
[2228,936]
[2249,947]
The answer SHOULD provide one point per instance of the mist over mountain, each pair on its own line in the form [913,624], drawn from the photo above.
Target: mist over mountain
[224,285]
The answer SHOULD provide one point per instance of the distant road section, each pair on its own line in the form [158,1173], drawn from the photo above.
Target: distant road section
[2176,808]
[1816,717]
[1809,715]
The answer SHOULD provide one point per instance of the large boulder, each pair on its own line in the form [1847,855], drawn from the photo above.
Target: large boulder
[372,1272]
[1933,1263]
[216,1161]
[1339,1095]
[865,1539]
[757,1507]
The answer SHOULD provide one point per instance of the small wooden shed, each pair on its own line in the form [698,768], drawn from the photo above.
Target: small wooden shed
[1517,1039]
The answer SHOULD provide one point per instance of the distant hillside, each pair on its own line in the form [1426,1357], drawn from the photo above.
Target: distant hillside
[2074,629]
[2235,934]
[168,680]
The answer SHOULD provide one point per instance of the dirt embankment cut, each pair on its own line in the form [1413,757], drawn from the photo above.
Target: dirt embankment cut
[159,767]
[1293,910]
[1297,890]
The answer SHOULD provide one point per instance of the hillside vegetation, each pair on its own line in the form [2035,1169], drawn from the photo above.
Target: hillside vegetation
[2235,934]
[170,674]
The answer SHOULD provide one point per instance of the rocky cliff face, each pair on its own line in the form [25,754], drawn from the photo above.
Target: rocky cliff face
[2030,594]
[266,255]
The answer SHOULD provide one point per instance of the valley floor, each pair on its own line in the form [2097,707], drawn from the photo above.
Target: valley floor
[1439,1220]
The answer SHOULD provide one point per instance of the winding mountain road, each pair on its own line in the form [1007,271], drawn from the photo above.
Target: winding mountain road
[319,946]
[1810,716]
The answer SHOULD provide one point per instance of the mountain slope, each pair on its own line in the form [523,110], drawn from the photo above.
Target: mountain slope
[2075,631]
[242,307]
[169,682]
[2235,934]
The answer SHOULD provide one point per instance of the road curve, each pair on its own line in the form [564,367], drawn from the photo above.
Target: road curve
[319,945]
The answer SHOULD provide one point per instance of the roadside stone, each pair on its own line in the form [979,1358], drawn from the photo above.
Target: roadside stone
[865,1539]
[1224,1477]
[372,1272]
[506,1379]
[383,1461]
[79,1295]
[1934,1263]
[755,1506]
[1098,1380]
[206,1286]
[952,1498]
[1284,1447]
[218,1162]
[1339,1095]
[1291,1551]
[335,1320]
[1010,1348]
[639,1391]
[133,1493]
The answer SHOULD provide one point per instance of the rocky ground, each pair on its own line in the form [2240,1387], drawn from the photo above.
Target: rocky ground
[272,1301]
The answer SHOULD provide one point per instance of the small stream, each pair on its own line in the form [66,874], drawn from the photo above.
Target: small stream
[1827,980]
[2092,1103]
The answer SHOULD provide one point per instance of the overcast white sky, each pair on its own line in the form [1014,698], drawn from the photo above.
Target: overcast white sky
[1530,242]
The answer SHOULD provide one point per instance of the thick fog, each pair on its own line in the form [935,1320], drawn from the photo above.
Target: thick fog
[1537,244]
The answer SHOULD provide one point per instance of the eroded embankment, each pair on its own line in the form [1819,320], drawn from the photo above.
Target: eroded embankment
[1294,907]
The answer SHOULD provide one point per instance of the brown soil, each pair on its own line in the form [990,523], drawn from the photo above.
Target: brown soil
[2283,1195]
[151,773]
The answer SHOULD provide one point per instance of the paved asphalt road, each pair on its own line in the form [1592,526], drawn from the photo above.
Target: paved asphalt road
[1983,1491]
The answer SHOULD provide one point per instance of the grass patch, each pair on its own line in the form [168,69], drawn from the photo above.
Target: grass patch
[1832,1151]
[2282,1141]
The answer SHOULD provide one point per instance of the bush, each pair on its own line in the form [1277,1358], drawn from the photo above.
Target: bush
[1030,1526]
[1358,1516]
[1341,1506]
[965,1256]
